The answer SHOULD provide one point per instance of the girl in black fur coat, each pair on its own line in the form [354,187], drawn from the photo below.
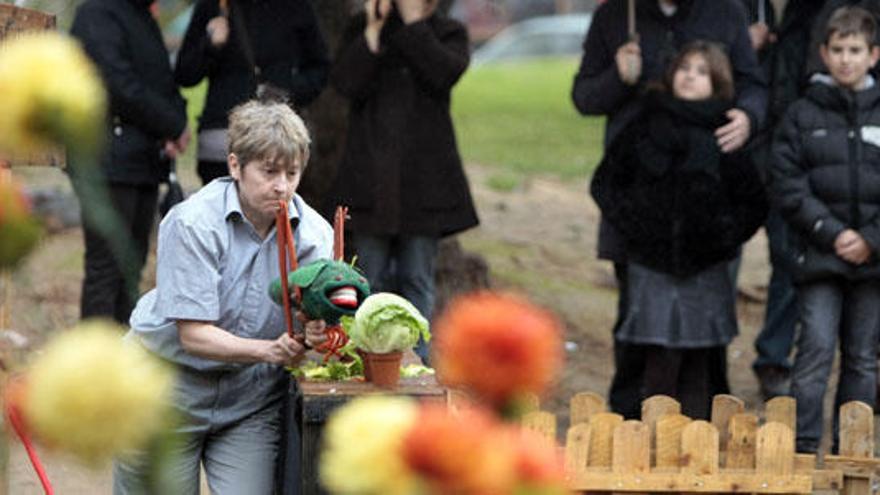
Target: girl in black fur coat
[684,209]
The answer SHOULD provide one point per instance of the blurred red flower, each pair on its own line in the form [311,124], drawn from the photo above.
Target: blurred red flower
[499,346]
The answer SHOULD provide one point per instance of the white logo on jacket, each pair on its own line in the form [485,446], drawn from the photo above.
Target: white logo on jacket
[871,135]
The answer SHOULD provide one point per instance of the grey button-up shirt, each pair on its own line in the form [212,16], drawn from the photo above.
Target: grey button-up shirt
[213,266]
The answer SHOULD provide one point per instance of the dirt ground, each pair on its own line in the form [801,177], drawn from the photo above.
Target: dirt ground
[538,238]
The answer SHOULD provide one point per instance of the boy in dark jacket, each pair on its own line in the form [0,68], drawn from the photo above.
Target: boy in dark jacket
[827,187]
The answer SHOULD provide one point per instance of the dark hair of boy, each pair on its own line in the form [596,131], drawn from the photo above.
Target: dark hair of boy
[720,71]
[850,21]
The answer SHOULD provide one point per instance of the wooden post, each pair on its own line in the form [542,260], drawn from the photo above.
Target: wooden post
[699,448]
[530,402]
[5,353]
[654,408]
[584,405]
[601,438]
[631,448]
[723,407]
[541,422]
[577,449]
[667,438]
[856,430]
[742,431]
[857,441]
[775,449]
[782,410]
[631,454]
[657,406]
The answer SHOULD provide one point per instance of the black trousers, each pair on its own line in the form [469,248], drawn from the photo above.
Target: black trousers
[683,374]
[209,170]
[105,291]
[625,396]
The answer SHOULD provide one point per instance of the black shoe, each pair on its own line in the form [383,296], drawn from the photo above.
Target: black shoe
[774,381]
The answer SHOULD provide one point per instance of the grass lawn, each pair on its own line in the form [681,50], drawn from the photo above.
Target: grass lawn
[519,117]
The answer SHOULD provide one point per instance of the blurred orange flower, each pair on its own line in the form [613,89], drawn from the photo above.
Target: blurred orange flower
[500,346]
[464,453]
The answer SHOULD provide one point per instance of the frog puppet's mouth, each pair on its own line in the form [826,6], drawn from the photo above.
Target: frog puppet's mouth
[344,297]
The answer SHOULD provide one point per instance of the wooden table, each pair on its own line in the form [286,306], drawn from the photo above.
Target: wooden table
[311,403]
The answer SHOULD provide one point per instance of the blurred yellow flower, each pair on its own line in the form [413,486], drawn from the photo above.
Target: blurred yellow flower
[94,395]
[362,447]
[52,94]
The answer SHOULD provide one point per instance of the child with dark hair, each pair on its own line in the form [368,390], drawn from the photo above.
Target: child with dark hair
[827,186]
[684,208]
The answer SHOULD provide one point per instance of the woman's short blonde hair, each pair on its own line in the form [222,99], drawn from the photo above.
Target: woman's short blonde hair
[268,131]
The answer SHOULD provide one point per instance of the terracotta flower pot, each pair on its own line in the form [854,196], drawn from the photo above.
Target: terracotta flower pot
[368,375]
[382,369]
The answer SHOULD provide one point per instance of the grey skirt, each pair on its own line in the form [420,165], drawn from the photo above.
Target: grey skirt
[692,312]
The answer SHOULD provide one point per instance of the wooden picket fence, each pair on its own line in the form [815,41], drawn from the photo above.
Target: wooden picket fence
[735,452]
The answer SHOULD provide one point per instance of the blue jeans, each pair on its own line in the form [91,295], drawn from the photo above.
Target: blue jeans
[776,339]
[403,265]
[830,308]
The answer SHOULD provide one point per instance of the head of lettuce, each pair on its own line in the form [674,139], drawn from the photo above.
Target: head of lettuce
[385,323]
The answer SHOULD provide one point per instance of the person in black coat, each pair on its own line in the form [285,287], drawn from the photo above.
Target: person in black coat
[782,40]
[257,48]
[612,74]
[826,184]
[147,116]
[401,173]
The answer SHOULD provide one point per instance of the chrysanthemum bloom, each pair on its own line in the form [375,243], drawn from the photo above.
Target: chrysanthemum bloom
[540,469]
[52,95]
[464,453]
[19,230]
[95,396]
[499,346]
[361,451]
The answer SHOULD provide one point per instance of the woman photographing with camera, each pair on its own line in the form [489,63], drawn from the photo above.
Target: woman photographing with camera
[266,49]
[401,173]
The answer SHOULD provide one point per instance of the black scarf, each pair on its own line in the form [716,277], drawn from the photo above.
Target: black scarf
[680,135]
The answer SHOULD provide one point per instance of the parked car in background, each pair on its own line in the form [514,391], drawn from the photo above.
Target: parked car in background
[546,36]
[175,28]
